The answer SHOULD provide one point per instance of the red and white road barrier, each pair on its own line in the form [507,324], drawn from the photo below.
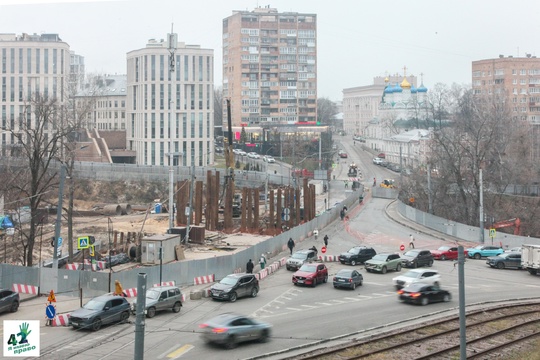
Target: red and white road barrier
[165,283]
[273,267]
[207,279]
[98,265]
[238,271]
[132,292]
[61,320]
[282,261]
[262,274]
[74,266]
[25,289]
[328,258]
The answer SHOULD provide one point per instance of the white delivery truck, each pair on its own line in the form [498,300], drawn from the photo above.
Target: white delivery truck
[530,258]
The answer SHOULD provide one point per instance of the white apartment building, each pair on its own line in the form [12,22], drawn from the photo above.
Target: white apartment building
[151,90]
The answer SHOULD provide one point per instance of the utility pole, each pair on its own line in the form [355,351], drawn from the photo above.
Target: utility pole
[320,154]
[58,216]
[172,60]
[109,228]
[188,209]
[139,320]
[482,240]
[462,316]
[430,198]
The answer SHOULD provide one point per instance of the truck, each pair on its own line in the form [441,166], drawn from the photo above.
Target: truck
[353,170]
[530,258]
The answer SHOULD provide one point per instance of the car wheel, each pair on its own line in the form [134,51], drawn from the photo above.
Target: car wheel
[398,267]
[424,301]
[500,265]
[177,306]
[415,265]
[232,297]
[383,270]
[124,317]
[314,282]
[254,292]
[443,257]
[368,270]
[151,312]
[231,342]
[430,263]
[264,336]
[353,286]
[335,286]
[446,298]
[477,256]
[14,307]
[353,262]
[96,324]
[360,283]
[325,279]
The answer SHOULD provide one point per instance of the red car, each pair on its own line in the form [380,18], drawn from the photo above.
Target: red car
[343,155]
[310,274]
[446,253]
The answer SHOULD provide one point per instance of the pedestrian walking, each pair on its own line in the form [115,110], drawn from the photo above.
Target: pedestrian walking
[316,233]
[411,241]
[290,244]
[342,214]
[262,261]
[249,267]
[326,240]
[346,184]
[374,182]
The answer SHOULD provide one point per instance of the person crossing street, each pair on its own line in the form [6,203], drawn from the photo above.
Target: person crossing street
[290,244]
[325,240]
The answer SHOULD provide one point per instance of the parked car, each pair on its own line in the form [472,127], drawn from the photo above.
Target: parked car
[242,153]
[348,278]
[253,155]
[514,249]
[9,301]
[343,155]
[231,329]
[383,262]
[423,276]
[299,258]
[505,260]
[377,161]
[235,286]
[269,159]
[101,310]
[160,298]
[423,294]
[357,255]
[447,253]
[310,274]
[484,251]
[417,257]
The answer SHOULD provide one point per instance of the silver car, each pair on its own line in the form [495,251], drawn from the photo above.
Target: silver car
[161,298]
[231,329]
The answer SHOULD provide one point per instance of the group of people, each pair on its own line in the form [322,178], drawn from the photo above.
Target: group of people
[250,265]
[291,244]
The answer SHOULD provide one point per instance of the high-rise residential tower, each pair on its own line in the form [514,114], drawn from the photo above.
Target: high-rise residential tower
[270,67]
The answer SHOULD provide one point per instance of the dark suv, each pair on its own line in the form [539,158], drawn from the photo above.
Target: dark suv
[234,286]
[357,255]
[415,258]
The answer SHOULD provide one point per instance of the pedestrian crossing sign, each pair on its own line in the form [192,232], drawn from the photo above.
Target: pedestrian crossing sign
[83,242]
[492,233]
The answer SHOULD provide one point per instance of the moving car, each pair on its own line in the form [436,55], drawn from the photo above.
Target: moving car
[9,301]
[357,255]
[423,294]
[417,257]
[505,260]
[484,251]
[160,298]
[348,278]
[231,329]
[269,159]
[377,161]
[343,155]
[299,258]
[423,276]
[101,310]
[446,253]
[235,286]
[310,274]
[383,262]
[253,155]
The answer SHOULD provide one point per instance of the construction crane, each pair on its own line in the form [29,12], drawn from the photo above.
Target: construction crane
[515,222]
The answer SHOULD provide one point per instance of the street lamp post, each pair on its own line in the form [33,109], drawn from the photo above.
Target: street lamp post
[172,49]
[109,226]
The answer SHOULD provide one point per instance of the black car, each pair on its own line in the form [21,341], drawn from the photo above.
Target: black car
[415,258]
[104,309]
[505,260]
[9,301]
[348,278]
[357,255]
[235,286]
[423,294]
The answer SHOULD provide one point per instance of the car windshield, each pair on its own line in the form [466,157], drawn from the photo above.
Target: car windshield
[94,305]
[379,257]
[300,256]
[152,294]
[411,274]
[479,247]
[412,253]
[308,268]
[444,248]
[505,255]
[353,251]
[344,273]
[228,280]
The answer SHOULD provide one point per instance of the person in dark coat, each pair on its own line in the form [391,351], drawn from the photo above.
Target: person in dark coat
[249,267]
[326,240]
[290,244]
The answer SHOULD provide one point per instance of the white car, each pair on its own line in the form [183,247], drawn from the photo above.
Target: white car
[269,159]
[424,276]
[241,153]
[253,155]
[377,161]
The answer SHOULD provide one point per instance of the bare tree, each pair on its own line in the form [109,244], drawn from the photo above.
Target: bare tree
[326,109]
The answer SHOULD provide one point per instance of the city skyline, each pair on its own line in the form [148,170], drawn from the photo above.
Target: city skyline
[356,40]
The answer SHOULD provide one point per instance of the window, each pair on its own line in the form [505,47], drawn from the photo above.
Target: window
[153,68]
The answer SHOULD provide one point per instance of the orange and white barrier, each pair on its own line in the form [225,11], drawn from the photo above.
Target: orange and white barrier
[165,283]
[25,289]
[132,292]
[200,280]
[61,320]
[262,274]
[328,258]
[282,261]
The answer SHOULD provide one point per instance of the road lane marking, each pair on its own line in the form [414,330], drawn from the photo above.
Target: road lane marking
[352,299]
[180,351]
[325,304]
[294,309]
[309,306]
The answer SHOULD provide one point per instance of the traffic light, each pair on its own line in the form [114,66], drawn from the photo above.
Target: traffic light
[318,122]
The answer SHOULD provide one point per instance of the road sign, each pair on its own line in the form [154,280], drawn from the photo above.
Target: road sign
[286,211]
[60,241]
[323,249]
[492,233]
[91,250]
[286,217]
[83,242]
[402,247]
[50,311]
[51,297]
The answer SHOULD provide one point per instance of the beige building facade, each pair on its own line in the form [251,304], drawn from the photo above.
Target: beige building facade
[270,67]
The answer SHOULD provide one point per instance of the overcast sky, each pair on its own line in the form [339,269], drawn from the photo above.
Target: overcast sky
[357,39]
